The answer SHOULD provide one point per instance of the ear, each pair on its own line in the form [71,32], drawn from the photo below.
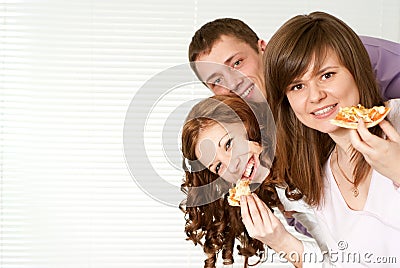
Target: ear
[261,45]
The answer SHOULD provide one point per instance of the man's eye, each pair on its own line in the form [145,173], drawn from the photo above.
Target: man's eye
[217,168]
[228,144]
[237,63]
[217,81]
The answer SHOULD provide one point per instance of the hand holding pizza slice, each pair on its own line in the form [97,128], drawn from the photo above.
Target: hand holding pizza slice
[348,117]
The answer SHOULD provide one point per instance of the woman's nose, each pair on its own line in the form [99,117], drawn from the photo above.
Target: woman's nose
[233,166]
[316,93]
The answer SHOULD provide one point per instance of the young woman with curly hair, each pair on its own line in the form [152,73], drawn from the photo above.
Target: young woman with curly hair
[222,143]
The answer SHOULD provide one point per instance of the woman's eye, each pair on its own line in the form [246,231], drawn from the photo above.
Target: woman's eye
[228,144]
[217,168]
[327,75]
[297,87]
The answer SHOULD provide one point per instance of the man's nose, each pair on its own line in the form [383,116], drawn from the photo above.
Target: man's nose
[234,80]
[221,91]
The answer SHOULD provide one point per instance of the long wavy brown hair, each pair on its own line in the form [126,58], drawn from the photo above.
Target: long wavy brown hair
[216,226]
[302,151]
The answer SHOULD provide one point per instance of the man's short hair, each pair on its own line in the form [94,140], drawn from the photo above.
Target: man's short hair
[204,38]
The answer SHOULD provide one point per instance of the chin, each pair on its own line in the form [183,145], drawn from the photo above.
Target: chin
[331,129]
[325,127]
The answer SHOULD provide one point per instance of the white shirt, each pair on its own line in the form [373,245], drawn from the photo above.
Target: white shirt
[349,238]
[369,235]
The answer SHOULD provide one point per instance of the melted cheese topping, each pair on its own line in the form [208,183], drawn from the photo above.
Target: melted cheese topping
[242,188]
[354,113]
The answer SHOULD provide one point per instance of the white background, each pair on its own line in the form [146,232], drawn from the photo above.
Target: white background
[68,72]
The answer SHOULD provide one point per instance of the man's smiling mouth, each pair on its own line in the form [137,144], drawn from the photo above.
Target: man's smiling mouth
[247,92]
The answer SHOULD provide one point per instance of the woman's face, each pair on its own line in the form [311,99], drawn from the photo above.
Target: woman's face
[228,153]
[316,98]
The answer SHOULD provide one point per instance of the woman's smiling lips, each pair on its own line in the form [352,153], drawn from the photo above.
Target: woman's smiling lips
[325,112]
[250,169]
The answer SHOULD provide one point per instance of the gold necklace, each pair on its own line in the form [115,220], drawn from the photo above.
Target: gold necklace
[354,190]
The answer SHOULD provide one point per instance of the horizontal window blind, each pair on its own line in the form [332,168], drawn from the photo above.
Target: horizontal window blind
[69,71]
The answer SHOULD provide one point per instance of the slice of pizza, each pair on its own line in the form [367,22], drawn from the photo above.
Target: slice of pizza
[348,117]
[242,188]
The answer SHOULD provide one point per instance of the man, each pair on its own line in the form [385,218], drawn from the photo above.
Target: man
[232,43]
[227,55]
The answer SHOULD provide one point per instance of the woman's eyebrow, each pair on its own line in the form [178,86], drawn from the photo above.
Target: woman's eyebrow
[219,143]
[323,70]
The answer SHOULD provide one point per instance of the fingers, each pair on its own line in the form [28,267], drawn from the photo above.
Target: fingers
[379,152]
[363,140]
[255,214]
[267,215]
[390,131]
[365,135]
[253,209]
[373,140]
[244,209]
[358,143]
[250,219]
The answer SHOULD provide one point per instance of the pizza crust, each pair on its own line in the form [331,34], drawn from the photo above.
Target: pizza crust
[242,188]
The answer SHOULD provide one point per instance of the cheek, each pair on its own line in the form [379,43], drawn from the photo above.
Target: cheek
[239,148]
[348,89]
[355,95]
[255,147]
[205,152]
[293,102]
[256,71]
[298,108]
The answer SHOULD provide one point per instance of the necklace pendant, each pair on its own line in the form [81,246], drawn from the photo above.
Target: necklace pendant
[355,191]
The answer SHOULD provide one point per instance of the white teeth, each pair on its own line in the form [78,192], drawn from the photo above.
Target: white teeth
[247,92]
[323,111]
[249,169]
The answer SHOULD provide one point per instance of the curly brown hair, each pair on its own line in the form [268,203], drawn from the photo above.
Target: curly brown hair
[216,225]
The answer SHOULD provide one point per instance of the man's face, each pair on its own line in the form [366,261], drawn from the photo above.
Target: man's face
[237,68]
